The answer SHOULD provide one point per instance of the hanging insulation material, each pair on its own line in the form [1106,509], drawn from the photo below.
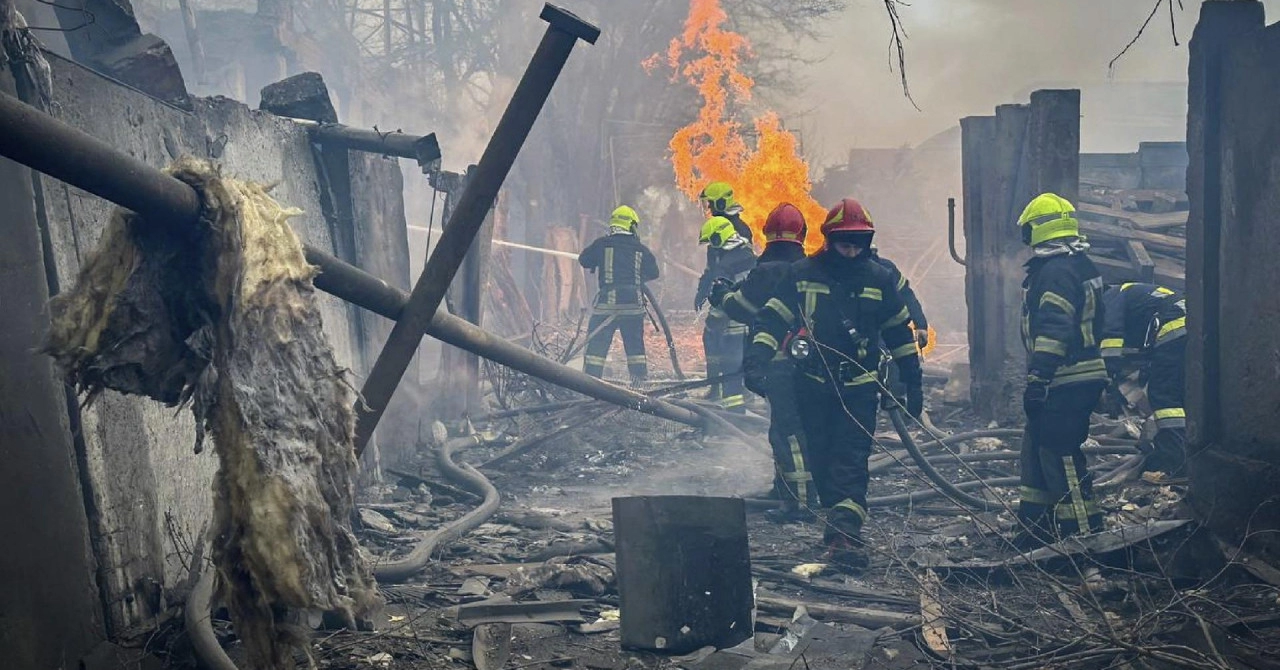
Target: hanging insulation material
[223,317]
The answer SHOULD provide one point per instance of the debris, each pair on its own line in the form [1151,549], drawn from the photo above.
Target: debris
[572,548]
[502,610]
[375,520]
[1096,543]
[601,625]
[933,628]
[491,645]
[474,586]
[855,615]
[827,586]
[158,310]
[801,624]
[382,659]
[578,575]
[809,570]
[611,615]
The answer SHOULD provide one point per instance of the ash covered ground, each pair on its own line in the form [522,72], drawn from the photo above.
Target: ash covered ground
[931,596]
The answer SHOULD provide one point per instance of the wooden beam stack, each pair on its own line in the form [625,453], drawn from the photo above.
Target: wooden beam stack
[1136,234]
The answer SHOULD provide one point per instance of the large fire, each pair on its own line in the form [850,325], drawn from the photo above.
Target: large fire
[713,148]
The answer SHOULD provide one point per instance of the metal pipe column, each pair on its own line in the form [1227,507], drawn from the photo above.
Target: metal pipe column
[563,32]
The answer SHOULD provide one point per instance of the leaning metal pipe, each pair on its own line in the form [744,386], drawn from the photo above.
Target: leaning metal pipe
[356,286]
[59,150]
[563,32]
[465,475]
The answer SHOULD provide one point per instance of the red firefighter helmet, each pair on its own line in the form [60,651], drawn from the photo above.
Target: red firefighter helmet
[785,223]
[848,216]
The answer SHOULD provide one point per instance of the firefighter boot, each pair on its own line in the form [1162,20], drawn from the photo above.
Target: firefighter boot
[1035,527]
[846,552]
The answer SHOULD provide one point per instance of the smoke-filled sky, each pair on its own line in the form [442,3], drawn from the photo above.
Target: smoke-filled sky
[966,56]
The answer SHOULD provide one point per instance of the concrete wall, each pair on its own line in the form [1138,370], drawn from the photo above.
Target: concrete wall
[1008,159]
[147,494]
[50,612]
[1233,242]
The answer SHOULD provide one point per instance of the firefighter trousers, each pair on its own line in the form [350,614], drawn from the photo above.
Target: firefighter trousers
[601,328]
[1166,377]
[1057,489]
[724,346]
[792,479]
[838,429]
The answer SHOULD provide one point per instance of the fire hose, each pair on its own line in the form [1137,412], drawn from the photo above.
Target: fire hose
[666,330]
[464,475]
[955,492]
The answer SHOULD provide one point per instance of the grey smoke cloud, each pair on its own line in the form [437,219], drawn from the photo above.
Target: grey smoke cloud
[966,56]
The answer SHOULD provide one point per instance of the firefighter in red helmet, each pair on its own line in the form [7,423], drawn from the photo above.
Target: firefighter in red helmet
[784,232]
[830,316]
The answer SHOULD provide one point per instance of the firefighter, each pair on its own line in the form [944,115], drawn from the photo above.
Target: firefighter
[784,233]
[1145,328]
[838,306]
[621,263]
[729,257]
[1062,322]
[919,323]
[717,198]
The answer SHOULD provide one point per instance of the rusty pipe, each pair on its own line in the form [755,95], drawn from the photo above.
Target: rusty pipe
[562,34]
[48,145]
[424,149]
[358,287]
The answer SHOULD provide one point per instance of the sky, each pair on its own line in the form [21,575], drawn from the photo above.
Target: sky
[964,57]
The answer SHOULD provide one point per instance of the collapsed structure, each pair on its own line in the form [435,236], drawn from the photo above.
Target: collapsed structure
[125,512]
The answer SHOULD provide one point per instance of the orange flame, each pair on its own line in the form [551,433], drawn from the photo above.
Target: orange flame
[713,147]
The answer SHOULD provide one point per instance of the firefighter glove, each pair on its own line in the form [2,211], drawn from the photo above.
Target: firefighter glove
[719,289]
[1035,395]
[922,339]
[915,400]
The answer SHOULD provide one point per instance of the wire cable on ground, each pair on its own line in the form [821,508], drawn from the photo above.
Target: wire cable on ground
[403,568]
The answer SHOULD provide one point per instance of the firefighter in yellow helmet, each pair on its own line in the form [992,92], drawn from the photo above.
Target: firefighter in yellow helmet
[729,258]
[622,263]
[719,200]
[1062,326]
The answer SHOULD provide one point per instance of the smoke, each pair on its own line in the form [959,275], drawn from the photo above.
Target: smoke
[964,57]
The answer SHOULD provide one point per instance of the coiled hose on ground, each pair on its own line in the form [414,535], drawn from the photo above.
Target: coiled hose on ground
[958,496]
[469,478]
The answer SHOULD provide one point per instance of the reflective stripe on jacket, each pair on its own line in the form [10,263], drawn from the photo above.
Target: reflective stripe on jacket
[1062,319]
